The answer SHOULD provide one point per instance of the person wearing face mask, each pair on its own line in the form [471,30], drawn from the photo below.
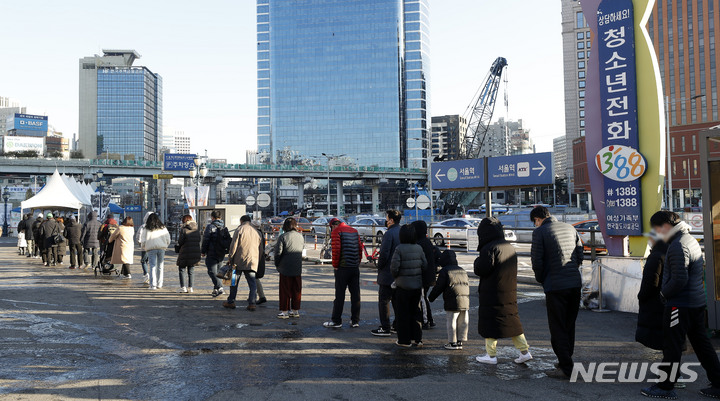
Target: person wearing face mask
[683,294]
[556,255]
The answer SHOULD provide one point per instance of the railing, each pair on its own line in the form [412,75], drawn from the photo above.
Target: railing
[231,166]
[593,247]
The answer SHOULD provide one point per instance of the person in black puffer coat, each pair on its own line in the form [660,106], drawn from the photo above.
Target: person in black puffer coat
[683,293]
[556,256]
[432,255]
[498,315]
[407,267]
[38,238]
[90,240]
[72,234]
[650,306]
[190,252]
[454,284]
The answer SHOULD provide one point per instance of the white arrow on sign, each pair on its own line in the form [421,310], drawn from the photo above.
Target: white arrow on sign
[542,168]
[438,175]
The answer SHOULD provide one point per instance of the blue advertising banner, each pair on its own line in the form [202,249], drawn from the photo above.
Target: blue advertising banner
[519,170]
[458,174]
[28,122]
[619,160]
[178,161]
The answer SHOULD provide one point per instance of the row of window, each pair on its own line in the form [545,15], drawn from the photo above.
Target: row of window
[685,165]
[682,142]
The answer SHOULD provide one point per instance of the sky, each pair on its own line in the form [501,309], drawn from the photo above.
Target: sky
[205,52]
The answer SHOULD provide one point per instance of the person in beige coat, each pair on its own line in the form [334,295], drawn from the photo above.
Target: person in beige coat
[244,256]
[124,246]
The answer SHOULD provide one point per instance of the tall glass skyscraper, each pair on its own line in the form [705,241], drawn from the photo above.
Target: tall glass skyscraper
[343,77]
[120,107]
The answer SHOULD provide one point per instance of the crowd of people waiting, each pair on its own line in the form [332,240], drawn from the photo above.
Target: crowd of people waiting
[412,272]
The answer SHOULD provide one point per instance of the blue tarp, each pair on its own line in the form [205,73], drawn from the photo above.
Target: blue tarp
[116,209]
[16,210]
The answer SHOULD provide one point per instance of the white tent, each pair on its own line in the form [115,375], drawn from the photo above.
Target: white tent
[54,195]
[77,189]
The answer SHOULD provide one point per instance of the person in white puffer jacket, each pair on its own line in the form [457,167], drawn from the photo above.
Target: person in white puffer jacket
[154,240]
[143,254]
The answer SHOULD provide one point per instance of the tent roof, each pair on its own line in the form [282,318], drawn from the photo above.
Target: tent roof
[54,195]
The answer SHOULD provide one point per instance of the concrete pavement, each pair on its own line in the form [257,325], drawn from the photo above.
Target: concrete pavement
[68,335]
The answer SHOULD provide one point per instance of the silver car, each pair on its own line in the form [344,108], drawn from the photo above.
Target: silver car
[368,227]
[455,231]
[320,225]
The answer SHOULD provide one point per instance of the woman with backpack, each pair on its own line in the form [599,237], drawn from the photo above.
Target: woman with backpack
[407,267]
[123,247]
[155,240]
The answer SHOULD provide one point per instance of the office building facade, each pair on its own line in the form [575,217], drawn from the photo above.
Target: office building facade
[8,108]
[685,34]
[448,137]
[182,143]
[120,112]
[505,138]
[343,77]
[560,156]
[576,37]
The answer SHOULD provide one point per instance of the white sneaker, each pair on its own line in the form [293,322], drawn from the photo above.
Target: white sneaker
[128,277]
[146,278]
[190,290]
[183,290]
[294,313]
[487,359]
[283,315]
[153,288]
[523,357]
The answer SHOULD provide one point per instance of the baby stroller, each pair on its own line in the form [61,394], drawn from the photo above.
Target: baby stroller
[104,267]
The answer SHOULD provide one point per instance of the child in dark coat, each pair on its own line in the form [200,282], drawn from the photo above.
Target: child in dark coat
[454,284]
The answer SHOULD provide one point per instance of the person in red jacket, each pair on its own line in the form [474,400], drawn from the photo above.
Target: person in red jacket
[347,248]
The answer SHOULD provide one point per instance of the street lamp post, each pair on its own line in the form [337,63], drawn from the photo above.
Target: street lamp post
[329,157]
[6,198]
[99,175]
[197,174]
[669,200]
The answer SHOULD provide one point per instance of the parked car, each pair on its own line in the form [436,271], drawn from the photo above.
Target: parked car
[369,226]
[320,225]
[585,235]
[457,229]
[304,225]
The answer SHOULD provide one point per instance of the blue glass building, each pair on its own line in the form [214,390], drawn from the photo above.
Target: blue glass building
[343,77]
[120,107]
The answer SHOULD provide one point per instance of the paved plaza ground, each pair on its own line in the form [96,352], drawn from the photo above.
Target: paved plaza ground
[66,334]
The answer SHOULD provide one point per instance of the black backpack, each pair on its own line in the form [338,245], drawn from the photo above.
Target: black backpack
[222,241]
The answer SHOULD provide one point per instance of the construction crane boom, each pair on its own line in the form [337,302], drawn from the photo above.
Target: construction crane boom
[478,116]
[480,111]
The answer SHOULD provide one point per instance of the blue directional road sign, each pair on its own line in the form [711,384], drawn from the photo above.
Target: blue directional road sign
[519,170]
[178,161]
[133,208]
[458,174]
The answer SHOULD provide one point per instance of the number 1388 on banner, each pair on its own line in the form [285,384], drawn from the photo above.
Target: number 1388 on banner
[620,163]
